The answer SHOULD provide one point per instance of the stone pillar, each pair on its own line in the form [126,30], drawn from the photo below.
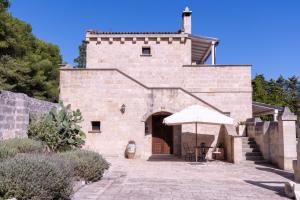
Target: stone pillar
[237,145]
[286,139]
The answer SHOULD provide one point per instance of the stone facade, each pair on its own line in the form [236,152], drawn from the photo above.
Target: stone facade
[169,79]
[298,128]
[15,109]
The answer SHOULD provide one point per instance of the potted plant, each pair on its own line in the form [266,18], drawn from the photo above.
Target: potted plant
[130,149]
[220,151]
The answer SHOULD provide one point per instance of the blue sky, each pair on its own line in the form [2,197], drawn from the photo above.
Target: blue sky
[264,33]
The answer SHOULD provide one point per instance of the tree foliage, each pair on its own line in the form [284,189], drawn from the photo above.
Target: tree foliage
[81,59]
[58,129]
[280,92]
[27,64]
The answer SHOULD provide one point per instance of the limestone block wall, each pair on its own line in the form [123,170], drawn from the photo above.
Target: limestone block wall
[298,128]
[115,53]
[266,135]
[99,94]
[15,109]
[276,140]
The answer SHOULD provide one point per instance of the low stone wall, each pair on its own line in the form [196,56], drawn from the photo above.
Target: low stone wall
[15,109]
[232,144]
[266,136]
[276,140]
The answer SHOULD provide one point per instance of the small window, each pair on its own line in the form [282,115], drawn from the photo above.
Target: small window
[146,51]
[96,125]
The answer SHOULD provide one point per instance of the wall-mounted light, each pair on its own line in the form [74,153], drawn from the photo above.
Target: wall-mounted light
[123,107]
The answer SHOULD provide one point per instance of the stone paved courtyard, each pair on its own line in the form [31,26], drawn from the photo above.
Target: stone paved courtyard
[175,179]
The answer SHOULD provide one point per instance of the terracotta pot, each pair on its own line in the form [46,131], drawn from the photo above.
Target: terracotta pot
[130,150]
[130,155]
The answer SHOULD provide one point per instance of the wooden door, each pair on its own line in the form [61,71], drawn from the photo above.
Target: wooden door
[162,136]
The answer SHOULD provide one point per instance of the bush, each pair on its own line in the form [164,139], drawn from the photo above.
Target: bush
[36,177]
[11,147]
[88,165]
[59,129]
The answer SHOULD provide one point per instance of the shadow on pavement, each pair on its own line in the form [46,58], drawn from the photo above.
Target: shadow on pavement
[277,187]
[285,174]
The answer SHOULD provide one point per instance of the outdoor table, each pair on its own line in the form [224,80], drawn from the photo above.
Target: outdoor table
[202,152]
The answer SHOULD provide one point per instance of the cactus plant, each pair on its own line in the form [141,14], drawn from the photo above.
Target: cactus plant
[59,128]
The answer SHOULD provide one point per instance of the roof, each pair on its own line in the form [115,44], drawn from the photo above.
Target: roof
[260,109]
[201,47]
[120,33]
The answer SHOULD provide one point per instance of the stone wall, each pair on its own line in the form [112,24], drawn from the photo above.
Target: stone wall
[15,109]
[276,140]
[106,90]
[298,128]
[267,137]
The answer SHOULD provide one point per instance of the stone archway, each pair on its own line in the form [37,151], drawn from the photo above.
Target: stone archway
[164,139]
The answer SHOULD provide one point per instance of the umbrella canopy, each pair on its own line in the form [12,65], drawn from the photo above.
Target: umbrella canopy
[197,114]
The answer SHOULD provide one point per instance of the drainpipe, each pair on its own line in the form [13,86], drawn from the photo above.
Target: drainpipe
[213,53]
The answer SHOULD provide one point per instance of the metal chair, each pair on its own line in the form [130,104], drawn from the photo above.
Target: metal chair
[189,153]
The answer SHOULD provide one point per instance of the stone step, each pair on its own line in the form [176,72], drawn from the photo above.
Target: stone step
[248,142]
[248,139]
[249,145]
[254,158]
[246,150]
[255,162]
[257,153]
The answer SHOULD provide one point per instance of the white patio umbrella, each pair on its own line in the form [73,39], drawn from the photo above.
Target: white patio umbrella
[199,115]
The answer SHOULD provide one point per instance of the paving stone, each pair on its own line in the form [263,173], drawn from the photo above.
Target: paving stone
[171,180]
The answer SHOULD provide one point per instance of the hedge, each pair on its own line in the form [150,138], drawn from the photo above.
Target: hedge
[88,165]
[11,147]
[35,177]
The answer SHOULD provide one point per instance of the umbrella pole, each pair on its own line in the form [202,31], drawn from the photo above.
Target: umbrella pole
[196,150]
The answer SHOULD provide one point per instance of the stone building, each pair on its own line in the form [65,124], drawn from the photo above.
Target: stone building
[133,80]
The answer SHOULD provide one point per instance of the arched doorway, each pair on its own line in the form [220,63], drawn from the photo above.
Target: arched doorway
[162,135]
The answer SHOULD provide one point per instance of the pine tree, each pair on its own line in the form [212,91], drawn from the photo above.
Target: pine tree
[259,85]
[27,64]
[81,59]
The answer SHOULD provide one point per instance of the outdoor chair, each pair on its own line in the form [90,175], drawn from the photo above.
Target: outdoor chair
[189,152]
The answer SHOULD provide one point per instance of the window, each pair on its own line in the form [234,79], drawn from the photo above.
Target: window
[96,126]
[146,51]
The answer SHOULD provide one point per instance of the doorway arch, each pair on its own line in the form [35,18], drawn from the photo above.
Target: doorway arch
[162,135]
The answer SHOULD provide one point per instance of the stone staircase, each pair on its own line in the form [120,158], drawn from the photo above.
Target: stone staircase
[251,152]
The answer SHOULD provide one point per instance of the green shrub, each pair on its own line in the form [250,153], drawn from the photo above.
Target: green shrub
[59,129]
[36,177]
[88,165]
[11,147]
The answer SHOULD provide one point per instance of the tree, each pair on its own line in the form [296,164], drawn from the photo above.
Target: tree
[293,88]
[4,4]
[259,85]
[27,64]
[81,59]
[276,93]
[282,92]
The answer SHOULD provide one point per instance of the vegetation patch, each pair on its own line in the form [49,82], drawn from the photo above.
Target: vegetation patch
[36,177]
[88,165]
[59,129]
[11,147]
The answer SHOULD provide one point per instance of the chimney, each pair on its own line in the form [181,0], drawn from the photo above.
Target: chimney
[187,20]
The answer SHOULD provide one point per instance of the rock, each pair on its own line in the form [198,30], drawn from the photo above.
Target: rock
[292,190]
[289,189]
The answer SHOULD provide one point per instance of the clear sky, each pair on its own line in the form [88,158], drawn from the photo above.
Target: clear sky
[264,33]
